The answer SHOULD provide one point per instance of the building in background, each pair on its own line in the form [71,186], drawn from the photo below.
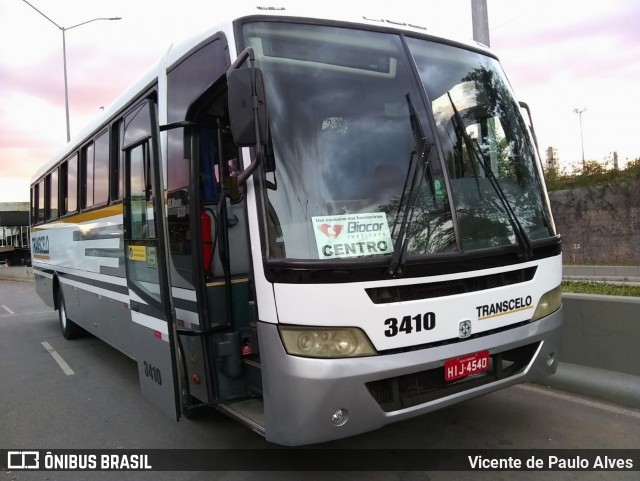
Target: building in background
[553,160]
[14,233]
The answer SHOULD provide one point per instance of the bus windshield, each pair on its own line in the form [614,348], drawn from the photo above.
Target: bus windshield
[350,133]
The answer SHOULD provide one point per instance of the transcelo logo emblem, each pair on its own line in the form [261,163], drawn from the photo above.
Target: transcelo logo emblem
[505,307]
[331,231]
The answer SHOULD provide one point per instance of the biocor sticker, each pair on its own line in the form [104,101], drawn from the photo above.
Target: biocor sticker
[352,235]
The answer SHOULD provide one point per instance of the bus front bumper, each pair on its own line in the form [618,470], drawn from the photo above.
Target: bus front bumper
[316,400]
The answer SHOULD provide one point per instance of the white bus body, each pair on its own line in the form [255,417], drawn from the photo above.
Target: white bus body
[392,253]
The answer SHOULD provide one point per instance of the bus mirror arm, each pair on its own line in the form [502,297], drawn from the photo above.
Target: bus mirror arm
[234,181]
[246,173]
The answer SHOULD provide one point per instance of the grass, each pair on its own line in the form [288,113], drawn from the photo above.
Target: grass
[601,288]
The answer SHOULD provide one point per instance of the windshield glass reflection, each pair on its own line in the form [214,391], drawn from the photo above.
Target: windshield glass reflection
[345,150]
[475,85]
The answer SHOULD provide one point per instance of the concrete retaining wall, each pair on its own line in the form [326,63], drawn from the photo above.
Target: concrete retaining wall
[601,348]
[18,273]
[599,224]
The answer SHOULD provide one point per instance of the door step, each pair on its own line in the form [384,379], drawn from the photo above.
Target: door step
[249,412]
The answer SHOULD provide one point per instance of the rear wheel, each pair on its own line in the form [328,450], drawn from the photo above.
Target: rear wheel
[70,330]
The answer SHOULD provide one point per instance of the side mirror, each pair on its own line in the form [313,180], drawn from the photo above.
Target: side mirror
[246,102]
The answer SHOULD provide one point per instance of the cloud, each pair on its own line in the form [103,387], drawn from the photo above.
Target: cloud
[557,54]
[567,55]
[43,80]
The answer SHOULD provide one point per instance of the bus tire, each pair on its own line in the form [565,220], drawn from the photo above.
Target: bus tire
[70,330]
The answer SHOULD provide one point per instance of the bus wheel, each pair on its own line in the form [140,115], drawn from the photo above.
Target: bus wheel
[70,330]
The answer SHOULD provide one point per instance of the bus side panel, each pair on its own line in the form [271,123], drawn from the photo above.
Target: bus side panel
[44,286]
[153,354]
[107,319]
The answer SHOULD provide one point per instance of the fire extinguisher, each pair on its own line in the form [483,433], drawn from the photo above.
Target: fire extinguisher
[207,242]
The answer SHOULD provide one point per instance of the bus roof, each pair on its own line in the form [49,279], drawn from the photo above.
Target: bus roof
[176,51]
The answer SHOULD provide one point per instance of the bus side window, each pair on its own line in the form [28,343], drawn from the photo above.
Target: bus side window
[101,168]
[53,194]
[117,161]
[138,193]
[40,191]
[71,201]
[33,205]
[87,164]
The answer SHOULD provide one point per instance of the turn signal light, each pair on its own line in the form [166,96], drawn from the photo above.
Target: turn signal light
[549,303]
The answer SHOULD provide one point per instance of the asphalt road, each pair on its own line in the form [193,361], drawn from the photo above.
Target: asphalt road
[100,406]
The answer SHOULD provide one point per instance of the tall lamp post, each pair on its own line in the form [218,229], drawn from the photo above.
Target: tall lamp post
[480,21]
[64,56]
[579,112]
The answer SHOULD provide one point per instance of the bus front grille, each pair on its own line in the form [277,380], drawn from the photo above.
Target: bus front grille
[393,394]
[412,292]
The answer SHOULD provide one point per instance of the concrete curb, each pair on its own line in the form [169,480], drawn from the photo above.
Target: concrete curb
[600,271]
[608,280]
[609,274]
[615,387]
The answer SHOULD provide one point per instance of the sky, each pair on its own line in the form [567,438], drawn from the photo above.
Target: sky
[559,55]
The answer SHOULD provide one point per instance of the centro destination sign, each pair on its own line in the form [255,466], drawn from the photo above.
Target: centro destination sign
[352,235]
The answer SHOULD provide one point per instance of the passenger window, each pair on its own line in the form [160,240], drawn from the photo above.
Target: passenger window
[142,225]
[40,189]
[117,161]
[88,176]
[101,169]
[34,206]
[53,195]
[71,203]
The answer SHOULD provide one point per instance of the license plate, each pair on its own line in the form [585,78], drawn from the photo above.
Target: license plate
[466,365]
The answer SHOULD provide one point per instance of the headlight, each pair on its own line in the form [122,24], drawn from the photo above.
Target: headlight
[325,342]
[549,303]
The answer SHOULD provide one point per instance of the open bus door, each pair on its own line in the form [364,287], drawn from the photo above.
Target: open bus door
[146,260]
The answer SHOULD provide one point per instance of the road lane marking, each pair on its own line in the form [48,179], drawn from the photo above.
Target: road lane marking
[7,309]
[26,313]
[579,400]
[58,358]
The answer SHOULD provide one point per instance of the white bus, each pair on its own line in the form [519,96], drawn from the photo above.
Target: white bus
[316,225]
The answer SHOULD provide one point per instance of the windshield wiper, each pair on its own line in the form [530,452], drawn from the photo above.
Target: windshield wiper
[422,165]
[521,235]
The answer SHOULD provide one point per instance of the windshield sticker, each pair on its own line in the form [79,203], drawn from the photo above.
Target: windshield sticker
[352,235]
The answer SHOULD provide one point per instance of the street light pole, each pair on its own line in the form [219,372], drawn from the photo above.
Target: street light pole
[66,89]
[64,57]
[480,21]
[579,112]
